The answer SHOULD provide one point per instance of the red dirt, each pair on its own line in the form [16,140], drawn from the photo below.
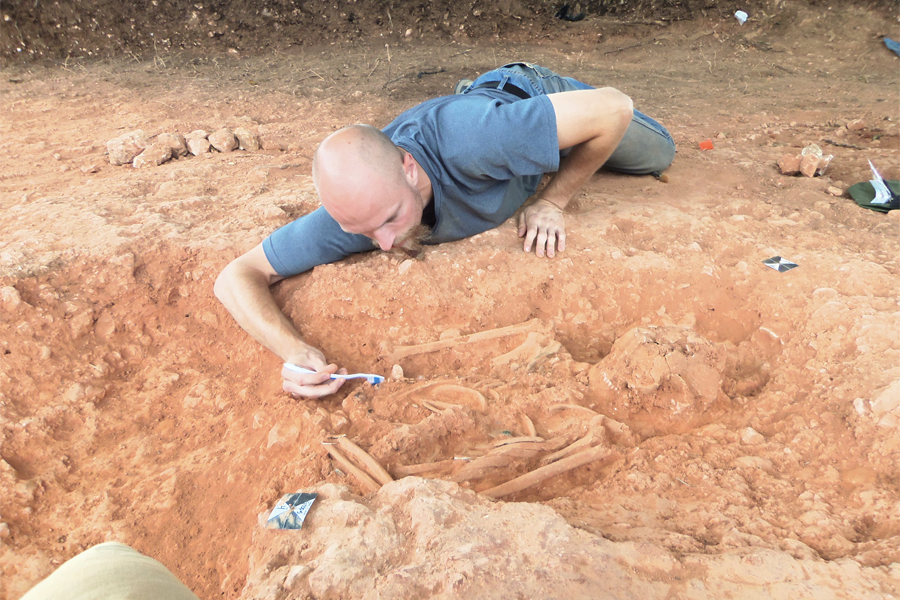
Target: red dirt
[753,414]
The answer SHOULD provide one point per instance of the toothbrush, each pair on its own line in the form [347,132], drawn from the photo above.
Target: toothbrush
[373,379]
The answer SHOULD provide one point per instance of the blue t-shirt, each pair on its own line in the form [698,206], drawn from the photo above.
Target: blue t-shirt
[484,152]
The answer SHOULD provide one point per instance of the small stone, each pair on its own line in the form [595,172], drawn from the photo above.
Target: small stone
[90,169]
[247,140]
[196,134]
[751,436]
[809,164]
[834,191]
[856,125]
[153,156]
[396,372]
[197,145]
[720,136]
[175,141]
[274,213]
[223,140]
[789,164]
[283,436]
[105,326]
[405,266]
[124,148]
[10,299]
[295,575]
[340,422]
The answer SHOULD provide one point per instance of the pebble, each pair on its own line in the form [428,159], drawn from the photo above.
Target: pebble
[10,298]
[90,169]
[396,372]
[196,134]
[124,148]
[247,140]
[273,213]
[856,125]
[751,436]
[153,156]
[223,140]
[834,191]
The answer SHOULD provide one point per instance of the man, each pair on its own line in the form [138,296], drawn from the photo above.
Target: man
[449,168]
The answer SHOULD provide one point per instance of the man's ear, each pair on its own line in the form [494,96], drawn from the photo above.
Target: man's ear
[410,169]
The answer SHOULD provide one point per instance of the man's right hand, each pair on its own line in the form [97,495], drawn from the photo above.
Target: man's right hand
[243,287]
[313,385]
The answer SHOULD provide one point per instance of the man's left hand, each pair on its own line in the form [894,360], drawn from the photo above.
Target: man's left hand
[542,225]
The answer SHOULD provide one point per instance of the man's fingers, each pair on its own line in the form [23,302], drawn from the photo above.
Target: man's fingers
[551,244]
[529,239]
[313,391]
[541,242]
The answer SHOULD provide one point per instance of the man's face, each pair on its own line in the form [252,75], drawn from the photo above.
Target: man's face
[393,219]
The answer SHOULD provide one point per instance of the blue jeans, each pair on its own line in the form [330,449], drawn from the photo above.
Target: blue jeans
[646,147]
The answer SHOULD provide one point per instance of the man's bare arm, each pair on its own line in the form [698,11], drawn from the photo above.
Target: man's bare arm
[243,287]
[591,123]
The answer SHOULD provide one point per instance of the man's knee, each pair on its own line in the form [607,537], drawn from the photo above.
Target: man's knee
[646,148]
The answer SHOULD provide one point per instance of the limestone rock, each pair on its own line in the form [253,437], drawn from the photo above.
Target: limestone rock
[10,299]
[197,145]
[124,148]
[196,134]
[223,140]
[175,141]
[274,213]
[247,140]
[153,156]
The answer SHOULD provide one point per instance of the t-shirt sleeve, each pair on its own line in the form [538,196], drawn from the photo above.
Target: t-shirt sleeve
[312,240]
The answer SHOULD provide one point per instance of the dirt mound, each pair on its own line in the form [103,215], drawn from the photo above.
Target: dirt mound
[104,28]
[420,539]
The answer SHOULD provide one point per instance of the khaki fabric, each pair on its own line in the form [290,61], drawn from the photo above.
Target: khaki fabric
[111,571]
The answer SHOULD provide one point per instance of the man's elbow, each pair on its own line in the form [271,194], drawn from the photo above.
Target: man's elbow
[224,282]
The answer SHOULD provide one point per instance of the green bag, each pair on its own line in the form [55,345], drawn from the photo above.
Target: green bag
[863,193]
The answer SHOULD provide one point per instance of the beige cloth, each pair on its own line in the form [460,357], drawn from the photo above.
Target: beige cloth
[111,571]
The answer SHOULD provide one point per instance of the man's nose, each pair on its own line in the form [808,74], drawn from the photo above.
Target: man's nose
[385,240]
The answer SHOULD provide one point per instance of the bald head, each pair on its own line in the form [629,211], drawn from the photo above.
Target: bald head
[355,170]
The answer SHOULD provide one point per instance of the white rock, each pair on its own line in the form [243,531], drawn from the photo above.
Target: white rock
[153,156]
[197,145]
[751,436]
[175,141]
[124,148]
[10,298]
[223,140]
[247,140]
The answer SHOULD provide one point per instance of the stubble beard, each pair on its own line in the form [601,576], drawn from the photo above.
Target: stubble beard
[412,241]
